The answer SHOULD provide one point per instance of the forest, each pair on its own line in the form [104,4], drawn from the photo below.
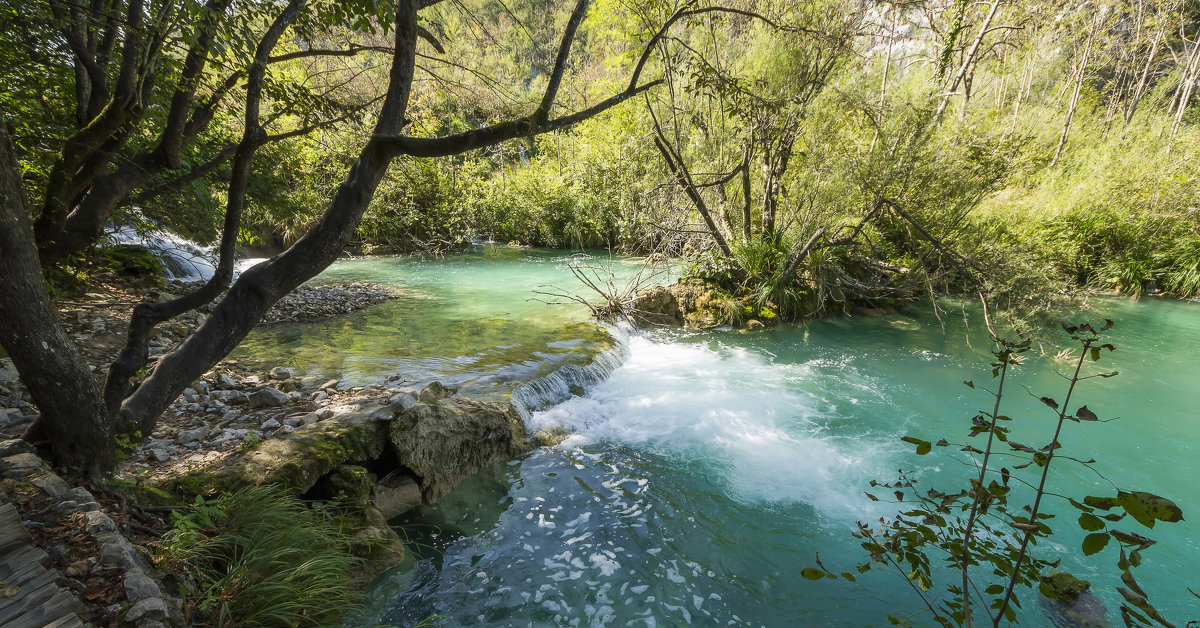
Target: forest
[974,174]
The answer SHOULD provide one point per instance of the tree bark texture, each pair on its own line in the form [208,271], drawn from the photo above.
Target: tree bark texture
[73,419]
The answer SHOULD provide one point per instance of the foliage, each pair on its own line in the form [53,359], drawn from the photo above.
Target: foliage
[259,557]
[979,539]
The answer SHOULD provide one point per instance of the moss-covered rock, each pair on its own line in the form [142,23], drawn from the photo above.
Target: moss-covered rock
[133,261]
[446,440]
[296,461]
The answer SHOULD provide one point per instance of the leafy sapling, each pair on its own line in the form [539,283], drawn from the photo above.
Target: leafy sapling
[979,538]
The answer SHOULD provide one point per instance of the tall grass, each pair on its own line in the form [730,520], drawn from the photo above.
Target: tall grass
[260,557]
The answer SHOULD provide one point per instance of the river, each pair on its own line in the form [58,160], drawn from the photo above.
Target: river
[710,467]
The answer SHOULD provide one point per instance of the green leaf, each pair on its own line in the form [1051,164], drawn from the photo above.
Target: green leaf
[923,446]
[1094,542]
[1090,522]
[1133,506]
[995,589]
[1103,503]
[1083,414]
[812,573]
[1152,505]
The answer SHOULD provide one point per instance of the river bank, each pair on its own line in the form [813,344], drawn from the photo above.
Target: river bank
[239,425]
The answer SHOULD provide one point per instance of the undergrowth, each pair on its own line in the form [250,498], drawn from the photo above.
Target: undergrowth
[260,557]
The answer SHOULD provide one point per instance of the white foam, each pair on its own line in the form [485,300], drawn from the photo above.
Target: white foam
[733,406]
[182,259]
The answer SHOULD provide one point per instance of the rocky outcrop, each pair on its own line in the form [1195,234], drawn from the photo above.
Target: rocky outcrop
[694,302]
[444,441]
[377,458]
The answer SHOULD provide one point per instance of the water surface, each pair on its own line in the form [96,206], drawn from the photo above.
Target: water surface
[711,467]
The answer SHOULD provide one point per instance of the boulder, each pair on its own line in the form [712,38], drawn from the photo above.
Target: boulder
[268,398]
[396,494]
[657,306]
[297,460]
[280,373]
[446,441]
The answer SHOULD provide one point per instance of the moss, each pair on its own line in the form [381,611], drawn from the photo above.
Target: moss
[1063,586]
[294,462]
[132,260]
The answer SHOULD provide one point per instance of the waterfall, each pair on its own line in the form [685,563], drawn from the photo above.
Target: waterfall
[567,381]
[182,259]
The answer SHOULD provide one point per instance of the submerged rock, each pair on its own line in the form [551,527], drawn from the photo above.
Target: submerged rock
[1068,602]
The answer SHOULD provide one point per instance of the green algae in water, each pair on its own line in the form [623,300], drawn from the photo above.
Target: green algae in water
[474,321]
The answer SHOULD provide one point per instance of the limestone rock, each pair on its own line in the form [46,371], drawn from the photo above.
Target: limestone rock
[191,436]
[268,398]
[657,306]
[403,402]
[296,461]
[396,494]
[434,391]
[444,442]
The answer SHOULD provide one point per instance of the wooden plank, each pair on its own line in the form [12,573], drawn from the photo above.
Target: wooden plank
[12,531]
[30,597]
[60,605]
[23,577]
[19,560]
[70,621]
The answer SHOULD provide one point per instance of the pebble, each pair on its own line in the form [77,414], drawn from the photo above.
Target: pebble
[269,424]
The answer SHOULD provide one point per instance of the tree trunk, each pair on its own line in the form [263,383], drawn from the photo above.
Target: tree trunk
[73,418]
[1080,74]
[968,61]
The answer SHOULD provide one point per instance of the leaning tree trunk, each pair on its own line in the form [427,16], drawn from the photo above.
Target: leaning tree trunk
[73,414]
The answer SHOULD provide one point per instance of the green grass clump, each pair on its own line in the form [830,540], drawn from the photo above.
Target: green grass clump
[260,557]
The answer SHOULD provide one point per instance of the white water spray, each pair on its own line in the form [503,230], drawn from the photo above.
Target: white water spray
[182,259]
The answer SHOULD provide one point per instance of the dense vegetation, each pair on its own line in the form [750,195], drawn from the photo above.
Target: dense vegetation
[808,157]
[1058,149]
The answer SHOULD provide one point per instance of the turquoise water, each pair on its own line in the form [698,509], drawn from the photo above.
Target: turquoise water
[480,322]
[711,467]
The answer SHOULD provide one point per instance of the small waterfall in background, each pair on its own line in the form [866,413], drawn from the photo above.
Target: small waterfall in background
[572,379]
[182,259]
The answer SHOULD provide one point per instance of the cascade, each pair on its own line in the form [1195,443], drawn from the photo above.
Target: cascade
[566,381]
[183,259]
